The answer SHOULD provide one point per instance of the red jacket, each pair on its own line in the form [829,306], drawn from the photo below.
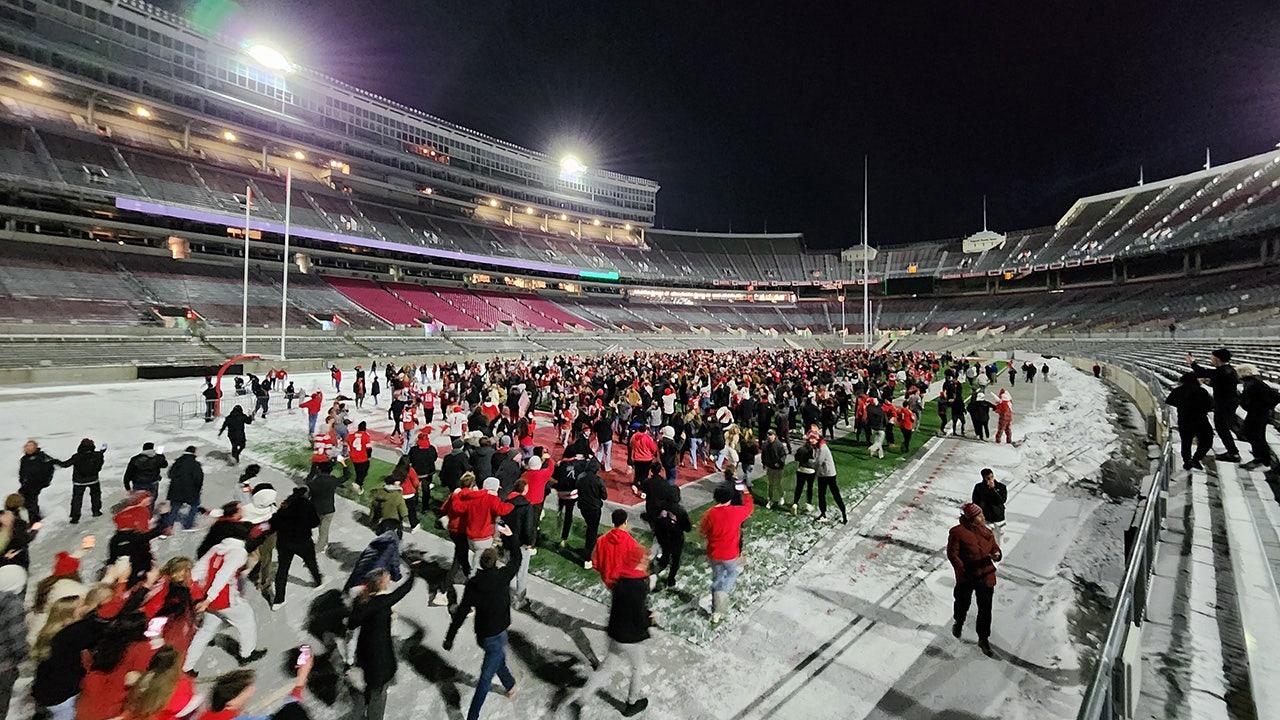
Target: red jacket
[537,480]
[612,554]
[643,448]
[102,694]
[312,404]
[409,486]
[452,510]
[478,509]
[722,526]
[906,418]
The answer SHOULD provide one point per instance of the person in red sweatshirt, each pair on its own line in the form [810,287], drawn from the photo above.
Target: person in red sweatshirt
[479,508]
[722,527]
[643,450]
[312,406]
[611,555]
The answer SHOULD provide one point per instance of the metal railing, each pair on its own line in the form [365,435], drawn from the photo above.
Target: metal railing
[1108,690]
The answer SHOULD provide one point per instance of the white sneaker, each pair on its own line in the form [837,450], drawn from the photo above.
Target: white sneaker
[276,606]
[795,509]
[533,551]
[808,508]
[716,618]
[586,565]
[768,505]
[437,600]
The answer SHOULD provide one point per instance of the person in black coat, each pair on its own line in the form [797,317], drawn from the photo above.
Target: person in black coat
[521,522]
[186,481]
[35,473]
[454,466]
[423,457]
[990,494]
[322,487]
[1194,404]
[85,466]
[629,623]
[375,650]
[670,522]
[489,592]
[482,458]
[293,523]
[1222,378]
[980,412]
[143,471]
[233,425]
[591,496]
[1258,399]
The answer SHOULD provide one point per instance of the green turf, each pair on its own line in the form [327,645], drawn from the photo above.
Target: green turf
[775,541]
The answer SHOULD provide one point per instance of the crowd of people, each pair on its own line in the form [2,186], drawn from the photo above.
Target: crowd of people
[144,625]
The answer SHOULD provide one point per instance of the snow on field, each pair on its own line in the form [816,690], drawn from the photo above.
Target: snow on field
[859,629]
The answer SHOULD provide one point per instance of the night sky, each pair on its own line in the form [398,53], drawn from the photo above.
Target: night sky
[755,115]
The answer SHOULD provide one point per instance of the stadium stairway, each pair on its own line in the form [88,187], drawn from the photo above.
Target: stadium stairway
[1211,640]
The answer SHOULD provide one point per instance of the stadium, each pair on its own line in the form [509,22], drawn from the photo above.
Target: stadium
[177,204]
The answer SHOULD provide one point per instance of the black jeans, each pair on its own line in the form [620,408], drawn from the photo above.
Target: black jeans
[237,446]
[1255,432]
[823,484]
[592,518]
[461,557]
[672,550]
[77,499]
[31,501]
[641,472]
[286,554]
[362,471]
[906,441]
[412,504]
[963,595]
[1224,421]
[566,512]
[804,482]
[1201,433]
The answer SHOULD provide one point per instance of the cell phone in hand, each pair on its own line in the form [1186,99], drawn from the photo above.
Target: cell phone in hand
[159,449]
[304,655]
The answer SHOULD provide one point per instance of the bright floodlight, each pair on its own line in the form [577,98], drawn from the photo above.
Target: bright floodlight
[299,155]
[33,81]
[229,136]
[572,165]
[142,112]
[269,58]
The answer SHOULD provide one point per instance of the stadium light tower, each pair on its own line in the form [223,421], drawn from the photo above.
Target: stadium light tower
[268,57]
[571,165]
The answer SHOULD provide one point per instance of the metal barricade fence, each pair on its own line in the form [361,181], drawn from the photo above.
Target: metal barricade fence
[176,412]
[1110,691]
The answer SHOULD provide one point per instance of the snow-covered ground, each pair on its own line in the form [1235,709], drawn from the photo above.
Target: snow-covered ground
[860,629]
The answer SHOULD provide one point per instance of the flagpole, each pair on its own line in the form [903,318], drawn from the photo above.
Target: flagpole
[244,305]
[284,293]
[866,276]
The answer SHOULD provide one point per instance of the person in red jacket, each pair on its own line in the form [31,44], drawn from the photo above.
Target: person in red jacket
[643,450]
[536,477]
[312,406]
[907,424]
[973,552]
[451,512]
[722,527]
[358,446]
[479,508]
[611,555]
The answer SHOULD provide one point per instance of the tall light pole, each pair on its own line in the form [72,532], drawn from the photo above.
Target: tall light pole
[244,306]
[866,264]
[284,293]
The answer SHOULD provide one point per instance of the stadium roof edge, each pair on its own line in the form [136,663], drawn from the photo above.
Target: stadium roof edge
[1205,174]
[726,235]
[179,22]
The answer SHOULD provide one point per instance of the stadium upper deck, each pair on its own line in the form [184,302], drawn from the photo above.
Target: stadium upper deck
[121,108]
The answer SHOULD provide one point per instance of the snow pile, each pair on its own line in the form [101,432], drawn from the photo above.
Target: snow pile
[1068,438]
